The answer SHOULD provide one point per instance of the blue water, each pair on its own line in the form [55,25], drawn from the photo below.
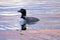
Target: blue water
[35,7]
[42,6]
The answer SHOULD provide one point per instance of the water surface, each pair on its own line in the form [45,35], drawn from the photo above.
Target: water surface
[37,9]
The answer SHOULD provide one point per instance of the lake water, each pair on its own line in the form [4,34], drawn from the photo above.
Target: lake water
[47,11]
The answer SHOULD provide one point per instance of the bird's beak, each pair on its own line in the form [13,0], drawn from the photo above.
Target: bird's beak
[19,11]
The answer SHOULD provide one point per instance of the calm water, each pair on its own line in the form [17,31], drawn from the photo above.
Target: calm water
[34,7]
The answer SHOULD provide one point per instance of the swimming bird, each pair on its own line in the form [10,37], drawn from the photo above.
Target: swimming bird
[23,22]
[26,20]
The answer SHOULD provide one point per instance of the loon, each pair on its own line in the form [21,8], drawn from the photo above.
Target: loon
[26,20]
[22,19]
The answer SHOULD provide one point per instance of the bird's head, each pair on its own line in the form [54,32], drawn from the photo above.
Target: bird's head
[23,12]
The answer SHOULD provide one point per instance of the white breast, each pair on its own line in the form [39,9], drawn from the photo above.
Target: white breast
[22,21]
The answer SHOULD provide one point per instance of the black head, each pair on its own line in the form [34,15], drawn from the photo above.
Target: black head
[23,11]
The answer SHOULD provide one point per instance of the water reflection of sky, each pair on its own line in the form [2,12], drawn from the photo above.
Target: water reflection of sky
[34,7]
[42,6]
